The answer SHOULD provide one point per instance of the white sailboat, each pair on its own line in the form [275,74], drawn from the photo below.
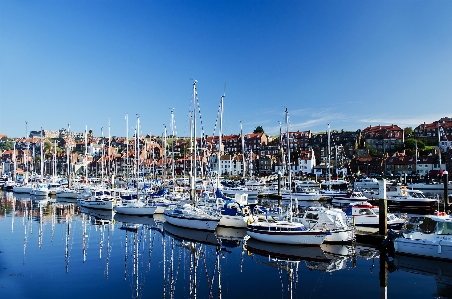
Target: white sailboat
[286,232]
[186,215]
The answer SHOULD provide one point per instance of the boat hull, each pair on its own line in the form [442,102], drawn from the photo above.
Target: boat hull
[233,221]
[289,237]
[25,190]
[128,210]
[92,204]
[433,249]
[199,223]
[340,236]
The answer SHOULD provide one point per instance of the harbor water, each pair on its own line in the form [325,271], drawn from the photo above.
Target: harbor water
[54,249]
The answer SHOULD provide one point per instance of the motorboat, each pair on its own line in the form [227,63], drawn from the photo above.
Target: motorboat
[366,183]
[140,207]
[189,216]
[400,197]
[334,220]
[432,185]
[40,189]
[363,214]
[306,184]
[9,185]
[304,194]
[65,192]
[433,239]
[285,232]
[334,184]
[101,199]
[350,197]
[54,187]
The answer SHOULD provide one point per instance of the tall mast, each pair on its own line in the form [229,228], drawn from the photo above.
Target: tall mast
[220,139]
[164,152]
[67,150]
[288,162]
[172,147]
[138,146]
[42,158]
[86,152]
[103,149]
[192,194]
[127,144]
[329,157]
[283,160]
[243,151]
[194,164]
[109,146]
[26,153]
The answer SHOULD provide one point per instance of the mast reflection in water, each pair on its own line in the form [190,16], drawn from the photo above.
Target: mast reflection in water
[52,249]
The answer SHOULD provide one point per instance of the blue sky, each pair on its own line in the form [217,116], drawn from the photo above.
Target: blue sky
[348,63]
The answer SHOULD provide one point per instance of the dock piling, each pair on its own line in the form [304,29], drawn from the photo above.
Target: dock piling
[383,204]
[446,188]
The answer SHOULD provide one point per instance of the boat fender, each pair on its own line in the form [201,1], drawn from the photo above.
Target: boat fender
[246,211]
[250,220]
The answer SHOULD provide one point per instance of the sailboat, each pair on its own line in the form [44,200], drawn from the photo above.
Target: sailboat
[282,231]
[187,215]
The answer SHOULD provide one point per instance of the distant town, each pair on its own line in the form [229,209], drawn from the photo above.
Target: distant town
[423,152]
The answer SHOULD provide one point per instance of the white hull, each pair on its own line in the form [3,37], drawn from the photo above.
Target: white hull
[339,236]
[233,221]
[26,190]
[94,204]
[292,238]
[39,192]
[441,249]
[160,208]
[65,194]
[191,221]
[128,210]
[304,196]
[424,186]
[433,244]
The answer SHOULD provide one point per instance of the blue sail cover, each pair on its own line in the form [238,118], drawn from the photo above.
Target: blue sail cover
[219,194]
[159,193]
[231,208]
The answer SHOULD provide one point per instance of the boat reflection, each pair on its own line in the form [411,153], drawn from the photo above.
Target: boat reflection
[286,252]
[440,270]
[184,234]
[230,237]
[97,216]
[135,219]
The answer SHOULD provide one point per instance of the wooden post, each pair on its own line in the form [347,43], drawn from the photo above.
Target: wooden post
[383,278]
[383,221]
[446,188]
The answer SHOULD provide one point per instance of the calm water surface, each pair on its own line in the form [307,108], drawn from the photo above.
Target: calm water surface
[52,249]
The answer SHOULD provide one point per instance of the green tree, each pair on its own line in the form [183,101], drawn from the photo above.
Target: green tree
[408,131]
[48,150]
[6,145]
[258,129]
[410,144]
